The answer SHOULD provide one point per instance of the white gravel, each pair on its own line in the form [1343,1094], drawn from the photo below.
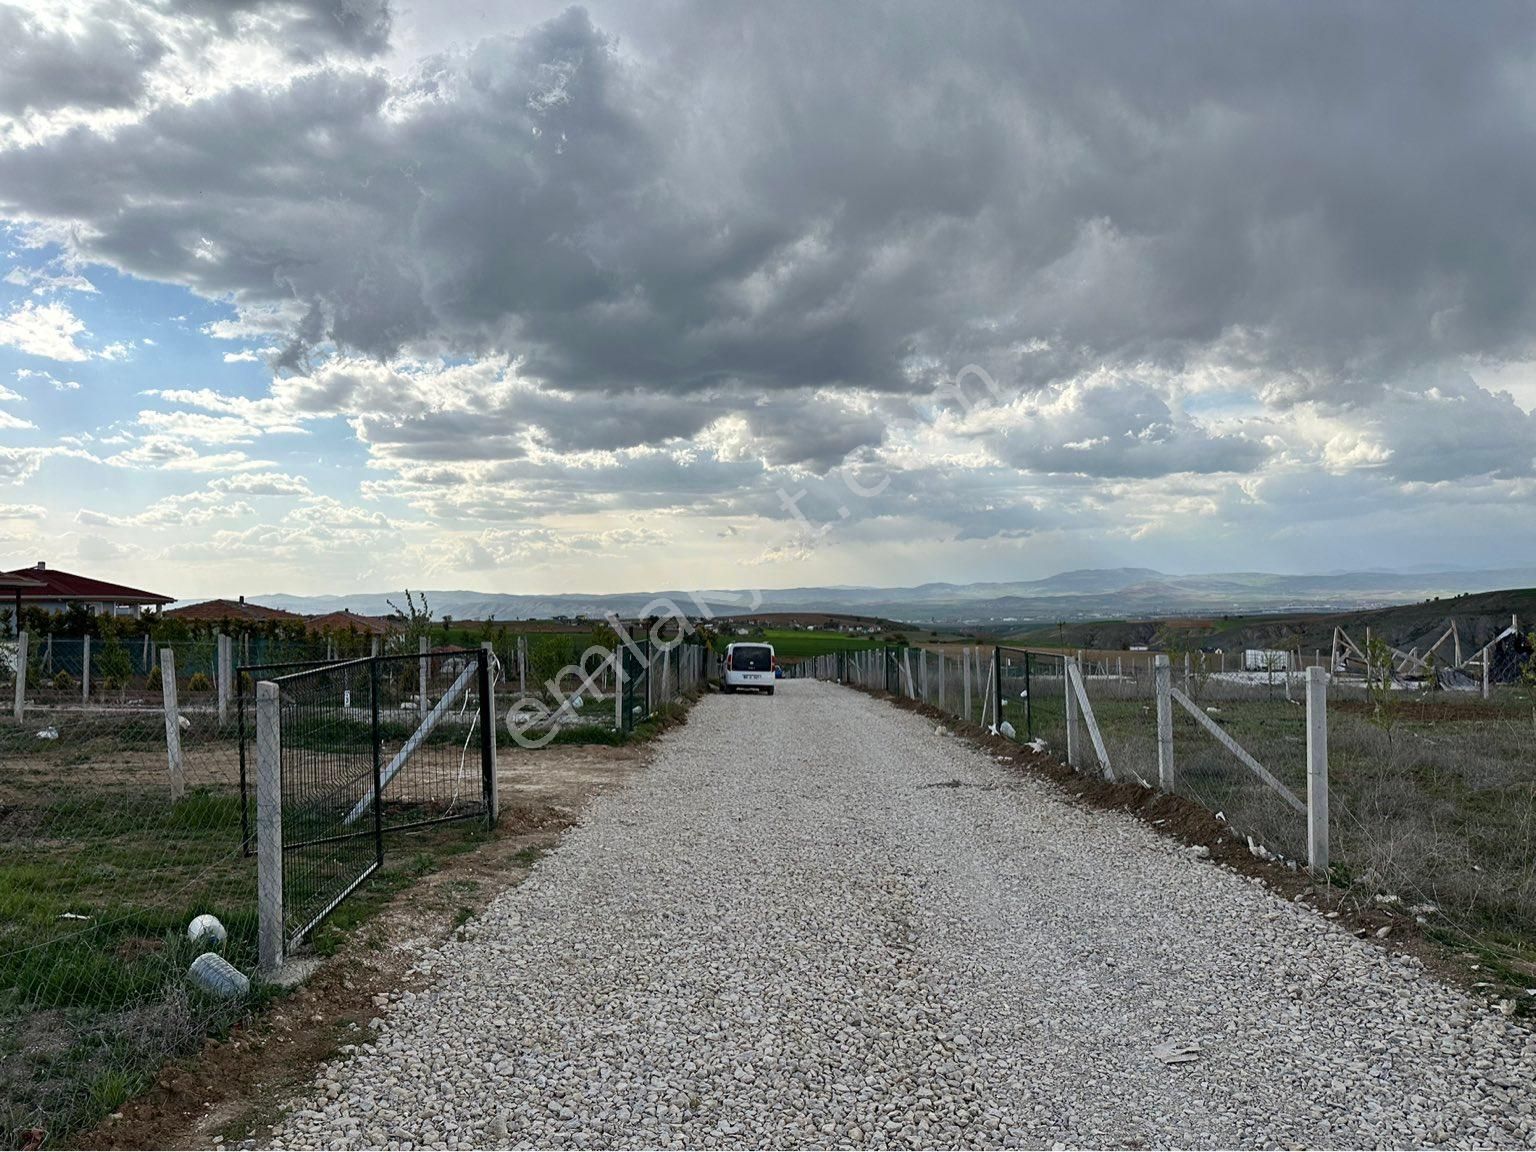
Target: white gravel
[784,934]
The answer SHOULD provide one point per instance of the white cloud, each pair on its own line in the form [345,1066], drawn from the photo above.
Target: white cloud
[46,330]
[244,356]
[262,484]
[167,453]
[42,281]
[47,377]
[21,512]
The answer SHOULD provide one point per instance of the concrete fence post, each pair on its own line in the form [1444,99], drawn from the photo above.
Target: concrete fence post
[1074,737]
[376,646]
[85,670]
[421,699]
[617,659]
[269,828]
[1317,770]
[226,664]
[965,660]
[997,688]
[1162,676]
[172,723]
[22,641]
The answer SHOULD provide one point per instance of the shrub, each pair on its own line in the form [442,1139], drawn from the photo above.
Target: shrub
[64,681]
[199,683]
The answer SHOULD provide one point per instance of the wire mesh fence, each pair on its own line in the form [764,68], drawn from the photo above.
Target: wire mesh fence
[123,818]
[103,864]
[330,766]
[1431,792]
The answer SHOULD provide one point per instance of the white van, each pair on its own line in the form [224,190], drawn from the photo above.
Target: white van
[750,666]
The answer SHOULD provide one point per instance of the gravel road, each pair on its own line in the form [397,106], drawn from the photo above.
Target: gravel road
[815,921]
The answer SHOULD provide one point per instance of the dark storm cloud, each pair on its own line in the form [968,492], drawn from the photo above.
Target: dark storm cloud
[305,28]
[102,66]
[788,202]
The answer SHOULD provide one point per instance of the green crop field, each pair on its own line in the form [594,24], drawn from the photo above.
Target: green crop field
[792,644]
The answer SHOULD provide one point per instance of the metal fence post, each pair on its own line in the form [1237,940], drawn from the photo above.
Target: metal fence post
[85,670]
[269,828]
[1317,770]
[172,722]
[226,648]
[21,676]
[488,734]
[377,738]
[1073,736]
[1162,678]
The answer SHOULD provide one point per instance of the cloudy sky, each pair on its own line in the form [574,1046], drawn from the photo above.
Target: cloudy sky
[335,295]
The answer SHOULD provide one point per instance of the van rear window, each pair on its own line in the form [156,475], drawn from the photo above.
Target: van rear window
[752,659]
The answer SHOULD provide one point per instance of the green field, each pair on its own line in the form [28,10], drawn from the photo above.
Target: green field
[793,644]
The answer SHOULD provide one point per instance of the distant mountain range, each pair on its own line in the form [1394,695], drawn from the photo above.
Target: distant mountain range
[1083,594]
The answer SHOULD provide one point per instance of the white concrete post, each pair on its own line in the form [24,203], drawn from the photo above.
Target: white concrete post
[85,670]
[522,665]
[269,828]
[1162,677]
[421,700]
[943,676]
[965,660]
[226,666]
[1487,660]
[172,723]
[617,659]
[1073,736]
[1186,673]
[1317,770]
[21,676]
[376,646]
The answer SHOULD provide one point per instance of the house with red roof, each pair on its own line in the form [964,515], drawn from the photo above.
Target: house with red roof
[53,590]
[232,611]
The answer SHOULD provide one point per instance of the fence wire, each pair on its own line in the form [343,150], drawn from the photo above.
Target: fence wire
[110,845]
[101,873]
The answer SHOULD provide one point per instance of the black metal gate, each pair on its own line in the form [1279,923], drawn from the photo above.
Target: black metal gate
[366,748]
[1030,692]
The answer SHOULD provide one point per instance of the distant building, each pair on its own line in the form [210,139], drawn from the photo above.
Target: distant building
[1266,660]
[345,621]
[53,590]
[217,611]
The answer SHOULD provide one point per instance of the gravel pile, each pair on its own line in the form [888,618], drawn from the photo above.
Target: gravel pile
[814,921]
